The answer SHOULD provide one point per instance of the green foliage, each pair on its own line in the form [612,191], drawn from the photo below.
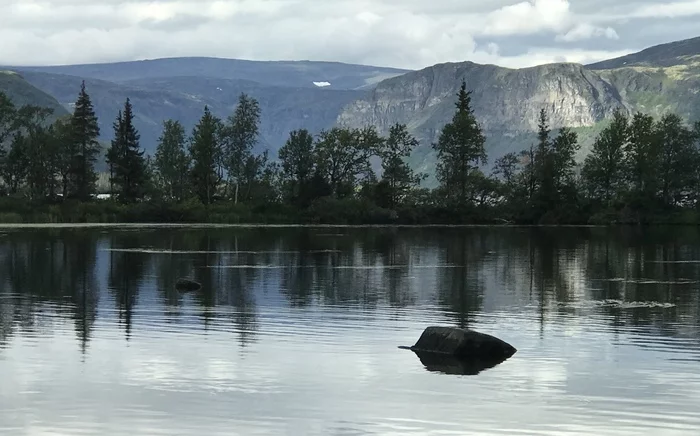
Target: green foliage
[207,157]
[240,135]
[397,176]
[460,149]
[343,157]
[297,157]
[603,170]
[172,163]
[640,170]
[553,169]
[84,147]
[128,173]
[8,115]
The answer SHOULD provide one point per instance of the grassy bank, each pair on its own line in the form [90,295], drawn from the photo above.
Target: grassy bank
[323,211]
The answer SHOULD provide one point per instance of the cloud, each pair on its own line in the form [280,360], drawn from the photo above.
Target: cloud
[401,33]
[668,9]
[528,17]
[587,31]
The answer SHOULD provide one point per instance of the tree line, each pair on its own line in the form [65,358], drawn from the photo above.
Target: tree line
[638,167]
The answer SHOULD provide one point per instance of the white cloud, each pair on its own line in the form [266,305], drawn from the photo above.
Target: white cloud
[402,33]
[668,10]
[587,31]
[528,17]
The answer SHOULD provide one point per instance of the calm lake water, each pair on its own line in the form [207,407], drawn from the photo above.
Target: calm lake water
[295,331]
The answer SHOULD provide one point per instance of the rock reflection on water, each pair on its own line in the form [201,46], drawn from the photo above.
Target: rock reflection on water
[446,364]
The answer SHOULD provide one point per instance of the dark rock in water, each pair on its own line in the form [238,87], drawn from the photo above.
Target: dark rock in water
[187,285]
[459,351]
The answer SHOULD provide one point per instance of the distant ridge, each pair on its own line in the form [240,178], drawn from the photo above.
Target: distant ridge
[276,73]
[662,55]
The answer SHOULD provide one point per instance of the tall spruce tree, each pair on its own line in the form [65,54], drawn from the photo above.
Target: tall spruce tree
[126,158]
[544,165]
[240,135]
[460,150]
[172,162]
[84,132]
[206,156]
[115,150]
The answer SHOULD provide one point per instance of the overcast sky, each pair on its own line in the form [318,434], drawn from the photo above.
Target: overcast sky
[400,33]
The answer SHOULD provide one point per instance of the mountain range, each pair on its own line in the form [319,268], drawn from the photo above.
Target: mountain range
[319,95]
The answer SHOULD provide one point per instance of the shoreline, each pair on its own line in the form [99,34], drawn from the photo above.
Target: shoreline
[203,225]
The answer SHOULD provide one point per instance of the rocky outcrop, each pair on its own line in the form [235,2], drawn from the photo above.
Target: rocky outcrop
[507,101]
[461,343]
[504,100]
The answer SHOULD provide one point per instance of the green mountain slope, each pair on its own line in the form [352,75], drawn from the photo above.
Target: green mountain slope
[662,55]
[21,92]
[183,98]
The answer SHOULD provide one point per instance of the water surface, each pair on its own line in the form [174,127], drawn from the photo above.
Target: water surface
[295,331]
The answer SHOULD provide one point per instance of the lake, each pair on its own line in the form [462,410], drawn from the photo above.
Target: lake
[295,330]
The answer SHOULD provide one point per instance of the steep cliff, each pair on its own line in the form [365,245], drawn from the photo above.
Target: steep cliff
[507,101]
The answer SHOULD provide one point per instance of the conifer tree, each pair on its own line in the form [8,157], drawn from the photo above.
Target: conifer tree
[126,158]
[460,150]
[206,156]
[115,150]
[544,165]
[85,147]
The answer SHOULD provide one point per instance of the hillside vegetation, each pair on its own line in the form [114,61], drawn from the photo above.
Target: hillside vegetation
[639,170]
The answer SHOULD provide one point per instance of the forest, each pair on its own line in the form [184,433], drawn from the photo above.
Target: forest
[640,170]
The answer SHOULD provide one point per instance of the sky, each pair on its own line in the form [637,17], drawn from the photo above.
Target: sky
[409,34]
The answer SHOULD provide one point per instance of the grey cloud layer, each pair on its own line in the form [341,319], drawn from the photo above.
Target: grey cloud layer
[401,33]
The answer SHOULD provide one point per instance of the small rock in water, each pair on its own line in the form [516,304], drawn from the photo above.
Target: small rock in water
[460,351]
[186,285]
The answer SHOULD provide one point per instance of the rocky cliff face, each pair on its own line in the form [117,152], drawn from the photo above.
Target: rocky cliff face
[504,100]
[507,102]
